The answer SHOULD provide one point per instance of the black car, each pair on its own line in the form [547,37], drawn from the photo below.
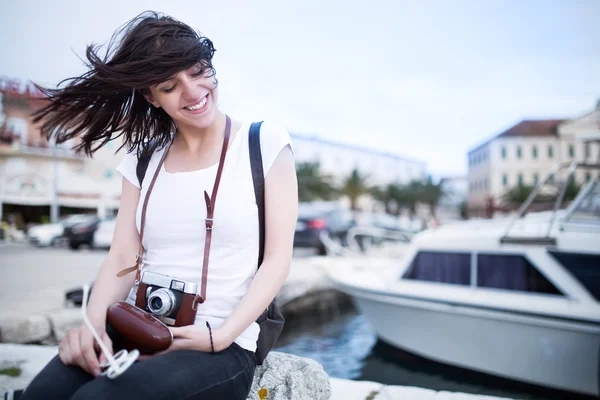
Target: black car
[312,222]
[82,232]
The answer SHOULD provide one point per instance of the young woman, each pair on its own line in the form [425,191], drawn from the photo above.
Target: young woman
[158,82]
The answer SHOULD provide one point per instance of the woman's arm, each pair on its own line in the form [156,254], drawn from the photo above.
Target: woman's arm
[281,213]
[108,288]
[77,347]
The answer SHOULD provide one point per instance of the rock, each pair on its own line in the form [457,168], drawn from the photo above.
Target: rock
[62,321]
[30,329]
[289,377]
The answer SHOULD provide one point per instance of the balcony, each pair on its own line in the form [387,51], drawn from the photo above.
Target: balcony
[60,152]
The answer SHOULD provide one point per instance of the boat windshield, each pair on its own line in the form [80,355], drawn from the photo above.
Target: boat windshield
[587,208]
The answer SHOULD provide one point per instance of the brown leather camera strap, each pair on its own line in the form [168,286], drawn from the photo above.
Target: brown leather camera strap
[210,208]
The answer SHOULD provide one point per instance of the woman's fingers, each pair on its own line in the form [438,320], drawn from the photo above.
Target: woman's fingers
[89,359]
[108,343]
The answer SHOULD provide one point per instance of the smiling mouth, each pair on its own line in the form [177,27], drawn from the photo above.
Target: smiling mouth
[198,105]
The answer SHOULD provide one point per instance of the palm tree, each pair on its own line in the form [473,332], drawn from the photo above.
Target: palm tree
[401,196]
[312,185]
[520,193]
[413,194]
[431,194]
[571,190]
[517,194]
[355,186]
[382,194]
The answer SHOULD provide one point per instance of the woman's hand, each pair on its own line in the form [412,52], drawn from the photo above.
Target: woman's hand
[195,337]
[78,348]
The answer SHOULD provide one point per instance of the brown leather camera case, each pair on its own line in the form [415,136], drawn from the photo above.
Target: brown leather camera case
[138,329]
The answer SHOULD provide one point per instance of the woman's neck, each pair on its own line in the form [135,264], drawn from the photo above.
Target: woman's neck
[196,140]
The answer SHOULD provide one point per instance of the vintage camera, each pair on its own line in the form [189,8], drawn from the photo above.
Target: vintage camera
[170,300]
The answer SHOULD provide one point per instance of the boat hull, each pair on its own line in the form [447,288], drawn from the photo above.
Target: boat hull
[560,354]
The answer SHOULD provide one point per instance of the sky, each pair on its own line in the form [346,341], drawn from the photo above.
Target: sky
[426,80]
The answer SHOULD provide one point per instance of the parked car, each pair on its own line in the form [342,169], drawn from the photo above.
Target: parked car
[53,234]
[82,232]
[45,235]
[312,221]
[104,234]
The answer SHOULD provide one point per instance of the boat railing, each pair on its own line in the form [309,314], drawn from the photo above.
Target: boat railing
[364,240]
[547,239]
[370,234]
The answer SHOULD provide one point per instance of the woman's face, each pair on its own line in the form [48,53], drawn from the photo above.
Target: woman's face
[189,97]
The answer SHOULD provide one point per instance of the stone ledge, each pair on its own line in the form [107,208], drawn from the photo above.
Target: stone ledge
[285,376]
[344,390]
[33,328]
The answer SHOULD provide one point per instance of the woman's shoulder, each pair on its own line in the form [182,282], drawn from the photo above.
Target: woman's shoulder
[271,129]
[147,153]
[273,138]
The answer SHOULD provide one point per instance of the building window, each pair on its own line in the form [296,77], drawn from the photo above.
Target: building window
[534,152]
[505,180]
[550,151]
[440,267]
[520,180]
[519,152]
[18,127]
[571,151]
[588,177]
[511,272]
[551,179]
[536,179]
[503,153]
[586,150]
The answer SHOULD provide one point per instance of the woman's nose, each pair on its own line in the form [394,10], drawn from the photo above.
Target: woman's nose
[189,90]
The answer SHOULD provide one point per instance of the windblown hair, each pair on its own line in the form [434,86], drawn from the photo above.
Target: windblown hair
[108,102]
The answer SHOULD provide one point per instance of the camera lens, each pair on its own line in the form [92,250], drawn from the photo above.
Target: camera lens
[161,302]
[157,303]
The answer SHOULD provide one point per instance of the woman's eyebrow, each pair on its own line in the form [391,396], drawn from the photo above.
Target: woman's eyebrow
[168,80]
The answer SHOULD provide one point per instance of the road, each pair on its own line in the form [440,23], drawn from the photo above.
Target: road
[34,280]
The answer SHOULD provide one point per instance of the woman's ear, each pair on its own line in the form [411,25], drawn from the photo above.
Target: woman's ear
[151,100]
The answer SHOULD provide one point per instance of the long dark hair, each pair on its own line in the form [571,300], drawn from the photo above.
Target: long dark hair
[108,101]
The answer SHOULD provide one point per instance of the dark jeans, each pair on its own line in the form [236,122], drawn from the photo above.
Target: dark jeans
[175,375]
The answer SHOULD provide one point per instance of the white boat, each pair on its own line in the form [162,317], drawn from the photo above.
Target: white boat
[515,298]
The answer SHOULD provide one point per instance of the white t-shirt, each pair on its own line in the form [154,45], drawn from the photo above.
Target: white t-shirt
[175,230]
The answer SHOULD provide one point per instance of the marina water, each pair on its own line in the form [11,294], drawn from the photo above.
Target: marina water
[347,347]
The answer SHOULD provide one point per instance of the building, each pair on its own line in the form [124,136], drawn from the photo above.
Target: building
[40,181]
[339,160]
[35,175]
[524,154]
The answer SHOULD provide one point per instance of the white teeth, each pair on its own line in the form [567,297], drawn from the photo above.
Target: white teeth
[197,106]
